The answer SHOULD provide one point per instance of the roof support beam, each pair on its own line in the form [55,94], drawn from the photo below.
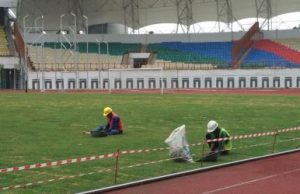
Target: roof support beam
[224,13]
[131,15]
[264,10]
[184,15]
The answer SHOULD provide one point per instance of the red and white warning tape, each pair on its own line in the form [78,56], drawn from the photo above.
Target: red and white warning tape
[76,160]
[254,135]
[112,155]
[243,136]
[80,175]
[289,129]
[143,150]
[51,180]
[139,164]
[58,163]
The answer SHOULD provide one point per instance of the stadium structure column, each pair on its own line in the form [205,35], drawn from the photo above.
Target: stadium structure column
[184,15]
[264,10]
[225,14]
[131,15]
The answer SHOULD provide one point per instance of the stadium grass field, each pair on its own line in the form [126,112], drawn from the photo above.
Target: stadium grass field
[42,127]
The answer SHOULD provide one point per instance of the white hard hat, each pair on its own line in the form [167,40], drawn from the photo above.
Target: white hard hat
[211,126]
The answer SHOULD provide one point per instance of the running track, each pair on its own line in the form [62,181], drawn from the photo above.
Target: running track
[276,175]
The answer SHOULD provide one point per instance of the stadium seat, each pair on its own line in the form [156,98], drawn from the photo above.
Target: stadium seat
[4,50]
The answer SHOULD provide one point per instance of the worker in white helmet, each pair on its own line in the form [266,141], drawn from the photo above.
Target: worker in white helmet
[114,125]
[215,132]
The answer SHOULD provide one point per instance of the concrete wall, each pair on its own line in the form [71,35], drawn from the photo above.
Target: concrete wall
[146,79]
[9,62]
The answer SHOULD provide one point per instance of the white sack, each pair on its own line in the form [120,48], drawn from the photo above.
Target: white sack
[179,149]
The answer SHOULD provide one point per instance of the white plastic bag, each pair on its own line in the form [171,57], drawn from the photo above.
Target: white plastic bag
[179,149]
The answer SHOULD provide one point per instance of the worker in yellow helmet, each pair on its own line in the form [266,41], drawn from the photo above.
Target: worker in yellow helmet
[113,126]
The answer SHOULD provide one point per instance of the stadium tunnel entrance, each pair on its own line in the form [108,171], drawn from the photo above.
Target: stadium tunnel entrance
[9,78]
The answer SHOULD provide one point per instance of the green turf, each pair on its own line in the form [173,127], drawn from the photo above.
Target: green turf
[47,127]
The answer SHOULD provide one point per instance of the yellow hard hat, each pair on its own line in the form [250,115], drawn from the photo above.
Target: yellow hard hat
[106,111]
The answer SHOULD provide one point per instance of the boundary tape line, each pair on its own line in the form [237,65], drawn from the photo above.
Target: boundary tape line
[110,170]
[58,163]
[113,155]
[79,175]
[51,180]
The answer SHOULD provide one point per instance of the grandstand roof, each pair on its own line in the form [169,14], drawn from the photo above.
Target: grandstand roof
[149,11]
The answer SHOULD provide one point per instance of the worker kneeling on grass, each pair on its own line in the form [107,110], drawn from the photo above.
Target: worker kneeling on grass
[216,147]
[114,125]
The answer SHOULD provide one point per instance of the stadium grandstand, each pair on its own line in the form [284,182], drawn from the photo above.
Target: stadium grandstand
[74,44]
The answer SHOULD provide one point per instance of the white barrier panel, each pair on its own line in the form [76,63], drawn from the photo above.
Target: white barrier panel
[172,79]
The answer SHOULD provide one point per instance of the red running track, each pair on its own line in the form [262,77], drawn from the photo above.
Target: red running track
[276,175]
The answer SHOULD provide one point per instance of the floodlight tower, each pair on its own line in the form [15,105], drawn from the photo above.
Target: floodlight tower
[86,34]
[38,29]
[68,31]
[25,66]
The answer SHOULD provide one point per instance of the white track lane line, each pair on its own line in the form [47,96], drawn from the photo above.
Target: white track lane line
[251,181]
